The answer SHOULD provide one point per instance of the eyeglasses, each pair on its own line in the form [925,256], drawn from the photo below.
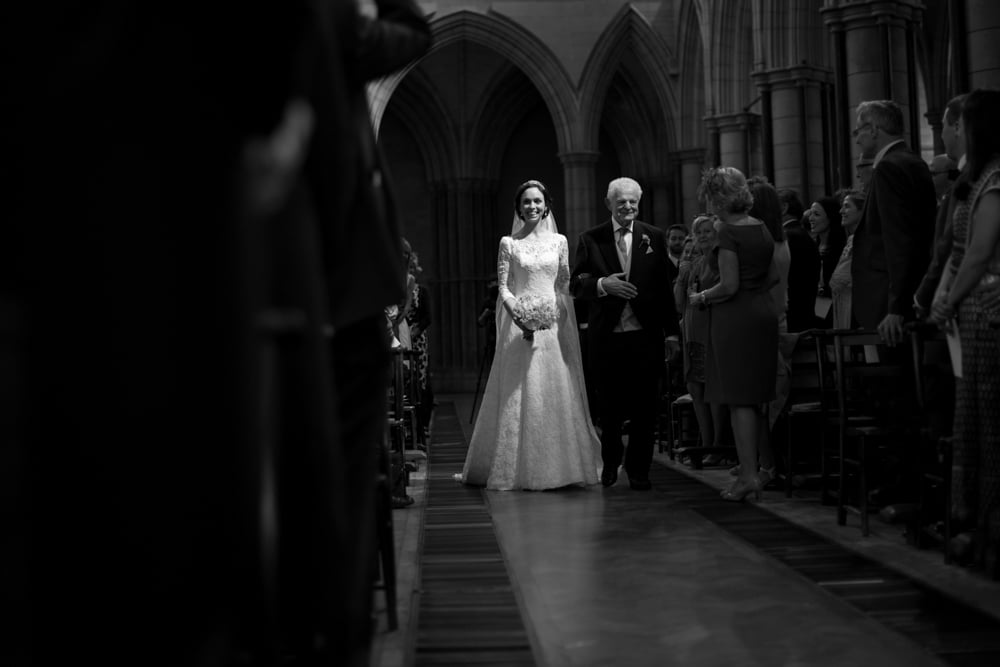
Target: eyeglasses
[856,131]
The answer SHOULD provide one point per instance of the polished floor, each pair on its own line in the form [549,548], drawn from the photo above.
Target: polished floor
[669,577]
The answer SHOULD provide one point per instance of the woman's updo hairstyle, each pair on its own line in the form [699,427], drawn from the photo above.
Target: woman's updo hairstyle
[725,188]
[532,184]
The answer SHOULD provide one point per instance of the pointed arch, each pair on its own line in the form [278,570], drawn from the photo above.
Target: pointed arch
[508,98]
[429,122]
[628,32]
[516,44]
[692,81]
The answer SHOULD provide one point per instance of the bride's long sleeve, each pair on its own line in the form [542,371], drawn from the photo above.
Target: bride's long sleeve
[562,276]
[503,269]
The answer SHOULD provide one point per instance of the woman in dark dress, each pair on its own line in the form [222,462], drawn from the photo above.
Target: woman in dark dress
[741,362]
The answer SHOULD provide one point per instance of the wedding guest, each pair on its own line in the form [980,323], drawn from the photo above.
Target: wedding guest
[824,217]
[622,271]
[743,350]
[969,300]
[534,429]
[699,272]
[803,264]
[676,235]
[767,208]
[863,170]
[418,316]
[954,146]
[840,279]
[892,240]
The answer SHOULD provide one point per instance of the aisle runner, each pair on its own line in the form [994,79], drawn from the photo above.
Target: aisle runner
[958,633]
[467,613]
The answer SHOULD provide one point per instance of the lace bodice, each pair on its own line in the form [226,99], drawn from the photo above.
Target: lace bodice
[536,265]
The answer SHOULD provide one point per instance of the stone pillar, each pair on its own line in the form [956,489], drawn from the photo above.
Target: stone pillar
[982,20]
[688,165]
[464,212]
[798,140]
[875,55]
[581,194]
[739,140]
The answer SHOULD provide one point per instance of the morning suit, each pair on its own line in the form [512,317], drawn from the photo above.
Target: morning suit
[627,365]
[892,243]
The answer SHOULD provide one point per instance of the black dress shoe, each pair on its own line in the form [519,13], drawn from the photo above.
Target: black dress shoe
[609,477]
[640,484]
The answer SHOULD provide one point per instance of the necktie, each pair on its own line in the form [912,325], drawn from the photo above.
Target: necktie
[622,231]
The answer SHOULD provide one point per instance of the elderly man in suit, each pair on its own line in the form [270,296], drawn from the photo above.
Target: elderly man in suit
[622,271]
[893,240]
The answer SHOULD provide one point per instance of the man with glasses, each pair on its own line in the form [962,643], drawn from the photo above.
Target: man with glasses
[893,240]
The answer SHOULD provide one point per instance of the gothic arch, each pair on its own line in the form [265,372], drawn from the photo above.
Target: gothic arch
[628,31]
[525,51]
[506,102]
[691,125]
[726,32]
[429,122]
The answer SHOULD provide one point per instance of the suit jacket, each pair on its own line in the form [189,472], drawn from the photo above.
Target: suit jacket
[803,277]
[893,240]
[597,257]
[941,251]
[672,270]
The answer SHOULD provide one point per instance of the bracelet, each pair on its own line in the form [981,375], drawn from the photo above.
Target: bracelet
[704,300]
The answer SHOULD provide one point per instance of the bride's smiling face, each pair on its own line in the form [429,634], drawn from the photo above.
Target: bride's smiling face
[532,205]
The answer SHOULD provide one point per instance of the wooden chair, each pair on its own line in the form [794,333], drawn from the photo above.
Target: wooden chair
[808,407]
[864,371]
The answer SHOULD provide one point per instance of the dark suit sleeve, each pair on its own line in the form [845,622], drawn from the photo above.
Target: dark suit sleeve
[396,38]
[905,252]
[582,283]
[942,249]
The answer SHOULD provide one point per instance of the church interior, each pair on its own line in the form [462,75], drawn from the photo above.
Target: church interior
[251,301]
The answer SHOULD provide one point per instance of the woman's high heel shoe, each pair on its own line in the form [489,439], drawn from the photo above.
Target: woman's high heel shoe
[741,489]
[767,475]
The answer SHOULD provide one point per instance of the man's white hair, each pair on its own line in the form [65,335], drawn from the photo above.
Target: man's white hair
[623,183]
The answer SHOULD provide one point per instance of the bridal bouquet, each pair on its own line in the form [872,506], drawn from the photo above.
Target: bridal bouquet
[536,312]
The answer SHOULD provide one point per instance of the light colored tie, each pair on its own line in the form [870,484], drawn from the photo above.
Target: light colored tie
[622,231]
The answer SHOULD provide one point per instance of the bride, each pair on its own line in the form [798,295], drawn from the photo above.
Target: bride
[534,429]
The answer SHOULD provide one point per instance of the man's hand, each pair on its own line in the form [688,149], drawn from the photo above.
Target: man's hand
[616,285]
[891,329]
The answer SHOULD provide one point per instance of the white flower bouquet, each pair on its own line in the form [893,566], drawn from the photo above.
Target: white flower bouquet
[536,312]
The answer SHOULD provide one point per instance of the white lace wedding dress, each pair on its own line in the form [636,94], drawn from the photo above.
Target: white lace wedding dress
[534,429]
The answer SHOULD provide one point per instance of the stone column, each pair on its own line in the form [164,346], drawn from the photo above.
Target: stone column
[798,141]
[688,165]
[982,20]
[739,140]
[464,211]
[875,55]
[581,194]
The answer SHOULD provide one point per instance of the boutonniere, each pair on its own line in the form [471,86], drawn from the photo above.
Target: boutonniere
[645,242]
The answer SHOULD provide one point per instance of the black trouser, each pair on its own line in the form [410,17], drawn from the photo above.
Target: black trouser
[628,368]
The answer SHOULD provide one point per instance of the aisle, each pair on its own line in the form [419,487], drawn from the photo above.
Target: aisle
[670,577]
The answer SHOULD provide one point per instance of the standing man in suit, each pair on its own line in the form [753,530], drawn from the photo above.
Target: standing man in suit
[893,240]
[676,234]
[622,270]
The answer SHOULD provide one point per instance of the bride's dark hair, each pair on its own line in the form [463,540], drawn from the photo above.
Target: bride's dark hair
[532,184]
